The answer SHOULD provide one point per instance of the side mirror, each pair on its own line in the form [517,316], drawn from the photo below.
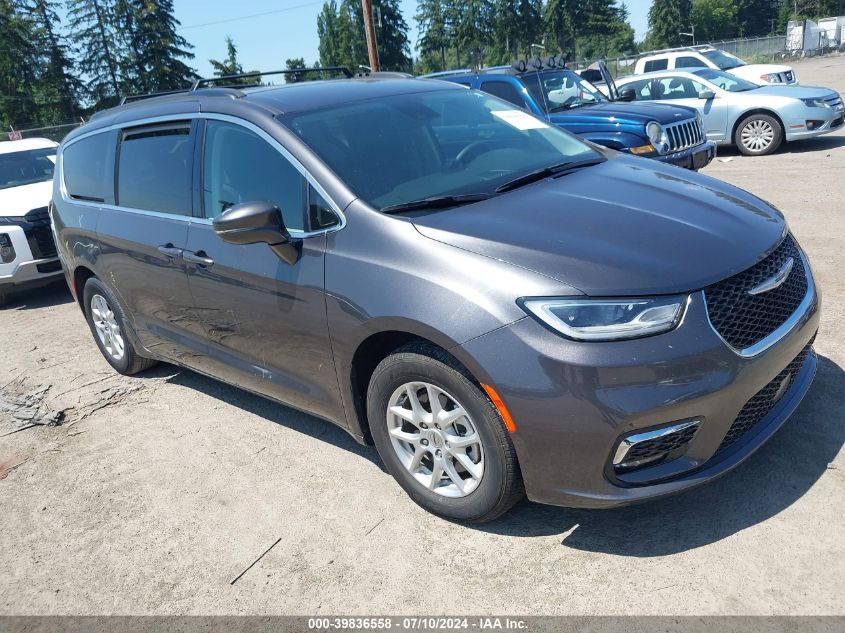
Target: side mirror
[254,223]
[706,94]
[627,94]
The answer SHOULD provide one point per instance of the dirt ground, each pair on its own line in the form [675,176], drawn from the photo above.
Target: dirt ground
[155,492]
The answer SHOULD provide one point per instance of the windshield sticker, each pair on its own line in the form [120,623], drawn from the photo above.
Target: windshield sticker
[520,120]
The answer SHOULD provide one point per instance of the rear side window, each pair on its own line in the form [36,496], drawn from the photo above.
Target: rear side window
[504,91]
[689,62]
[240,166]
[656,64]
[154,169]
[84,167]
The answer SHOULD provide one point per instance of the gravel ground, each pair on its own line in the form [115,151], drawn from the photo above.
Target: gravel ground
[156,492]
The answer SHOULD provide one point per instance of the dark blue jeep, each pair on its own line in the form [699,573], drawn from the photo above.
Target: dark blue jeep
[668,133]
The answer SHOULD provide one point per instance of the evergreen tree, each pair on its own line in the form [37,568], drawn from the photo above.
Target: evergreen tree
[667,19]
[58,88]
[19,58]
[231,65]
[714,19]
[757,18]
[156,49]
[328,34]
[394,52]
[92,24]
[433,36]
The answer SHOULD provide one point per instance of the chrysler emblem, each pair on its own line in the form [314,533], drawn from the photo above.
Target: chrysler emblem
[775,280]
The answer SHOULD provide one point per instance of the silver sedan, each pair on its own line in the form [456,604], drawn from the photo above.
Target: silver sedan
[757,119]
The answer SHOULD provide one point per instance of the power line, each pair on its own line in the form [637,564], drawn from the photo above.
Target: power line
[249,17]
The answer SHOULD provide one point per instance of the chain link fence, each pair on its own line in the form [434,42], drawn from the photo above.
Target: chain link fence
[52,132]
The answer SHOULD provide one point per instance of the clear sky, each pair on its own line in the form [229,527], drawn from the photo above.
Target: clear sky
[267,32]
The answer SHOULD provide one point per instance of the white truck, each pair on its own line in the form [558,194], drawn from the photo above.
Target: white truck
[27,249]
[709,57]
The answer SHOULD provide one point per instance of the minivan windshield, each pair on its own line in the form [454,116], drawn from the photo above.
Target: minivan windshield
[558,90]
[723,60]
[444,143]
[725,81]
[27,167]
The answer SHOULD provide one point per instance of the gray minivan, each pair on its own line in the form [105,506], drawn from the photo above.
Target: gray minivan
[502,308]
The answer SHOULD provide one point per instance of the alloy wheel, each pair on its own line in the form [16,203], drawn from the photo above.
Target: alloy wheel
[435,439]
[107,327]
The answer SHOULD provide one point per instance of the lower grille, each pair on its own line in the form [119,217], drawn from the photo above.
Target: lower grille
[743,319]
[39,234]
[764,400]
[684,135]
[648,448]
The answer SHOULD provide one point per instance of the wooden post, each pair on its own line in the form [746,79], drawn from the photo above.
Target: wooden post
[370,30]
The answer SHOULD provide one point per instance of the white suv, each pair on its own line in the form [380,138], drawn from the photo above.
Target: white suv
[27,250]
[709,57]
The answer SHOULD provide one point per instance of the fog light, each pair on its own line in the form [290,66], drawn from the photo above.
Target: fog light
[651,447]
[7,251]
[814,125]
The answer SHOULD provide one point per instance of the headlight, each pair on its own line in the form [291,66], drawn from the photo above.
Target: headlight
[657,136]
[815,103]
[607,319]
[772,78]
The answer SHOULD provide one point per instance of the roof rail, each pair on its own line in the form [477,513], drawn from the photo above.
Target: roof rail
[697,47]
[150,95]
[446,73]
[200,83]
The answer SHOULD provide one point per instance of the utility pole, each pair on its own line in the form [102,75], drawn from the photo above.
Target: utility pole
[370,30]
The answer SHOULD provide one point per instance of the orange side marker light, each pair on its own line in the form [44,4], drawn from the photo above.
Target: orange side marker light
[500,405]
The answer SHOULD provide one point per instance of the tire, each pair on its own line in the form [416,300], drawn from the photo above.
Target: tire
[4,297]
[490,485]
[108,327]
[758,135]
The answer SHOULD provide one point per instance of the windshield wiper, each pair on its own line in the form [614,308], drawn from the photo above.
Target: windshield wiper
[546,172]
[437,202]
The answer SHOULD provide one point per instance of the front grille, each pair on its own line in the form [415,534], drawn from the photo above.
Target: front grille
[743,319]
[684,134]
[764,400]
[789,76]
[834,101]
[39,234]
[651,452]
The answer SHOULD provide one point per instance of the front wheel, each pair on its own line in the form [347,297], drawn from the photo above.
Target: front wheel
[440,437]
[758,135]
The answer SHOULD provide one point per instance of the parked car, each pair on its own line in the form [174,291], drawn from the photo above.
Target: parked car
[709,57]
[757,119]
[499,306]
[565,99]
[27,251]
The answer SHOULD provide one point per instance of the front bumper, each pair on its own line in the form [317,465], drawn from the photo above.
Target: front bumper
[24,270]
[573,402]
[824,120]
[693,158]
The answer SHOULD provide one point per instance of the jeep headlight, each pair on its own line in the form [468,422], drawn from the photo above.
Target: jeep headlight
[585,319]
[657,136]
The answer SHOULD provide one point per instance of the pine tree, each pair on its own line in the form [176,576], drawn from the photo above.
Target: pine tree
[157,50]
[58,87]
[394,52]
[667,19]
[19,58]
[328,33]
[757,17]
[92,24]
[432,36]
[714,19]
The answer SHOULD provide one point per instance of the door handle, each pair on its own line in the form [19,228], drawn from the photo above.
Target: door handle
[170,251]
[199,258]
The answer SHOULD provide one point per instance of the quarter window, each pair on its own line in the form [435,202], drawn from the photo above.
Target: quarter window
[239,166]
[154,169]
[320,213]
[656,64]
[689,62]
[504,91]
[84,167]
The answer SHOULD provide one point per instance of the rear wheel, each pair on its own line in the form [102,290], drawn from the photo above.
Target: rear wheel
[108,325]
[440,436]
[758,135]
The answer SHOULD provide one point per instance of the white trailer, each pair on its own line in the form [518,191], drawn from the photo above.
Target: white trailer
[833,28]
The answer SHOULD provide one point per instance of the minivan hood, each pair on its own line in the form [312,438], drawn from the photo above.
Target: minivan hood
[626,227]
[18,201]
[604,113]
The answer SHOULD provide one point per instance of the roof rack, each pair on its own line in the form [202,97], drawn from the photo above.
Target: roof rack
[150,95]
[201,83]
[697,47]
[446,73]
